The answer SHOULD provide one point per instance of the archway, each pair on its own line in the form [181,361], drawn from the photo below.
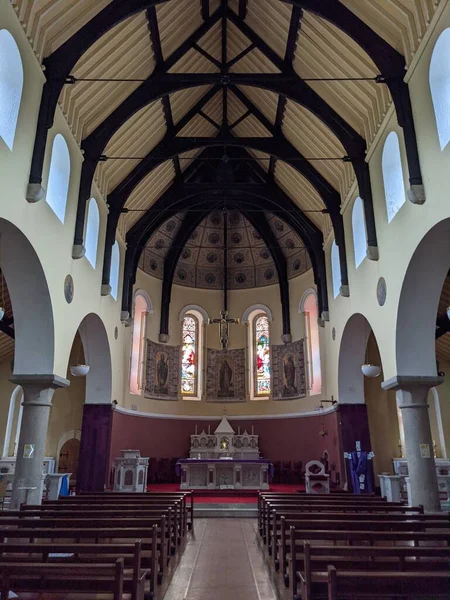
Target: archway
[367,412]
[418,303]
[97,410]
[30,298]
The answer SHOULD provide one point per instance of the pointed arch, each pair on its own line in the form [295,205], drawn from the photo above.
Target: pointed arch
[142,307]
[309,308]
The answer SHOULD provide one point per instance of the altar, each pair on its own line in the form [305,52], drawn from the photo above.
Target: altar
[224,460]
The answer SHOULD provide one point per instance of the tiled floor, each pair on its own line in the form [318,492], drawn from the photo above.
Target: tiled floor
[222,561]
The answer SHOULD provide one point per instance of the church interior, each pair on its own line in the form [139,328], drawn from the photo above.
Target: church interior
[231,222]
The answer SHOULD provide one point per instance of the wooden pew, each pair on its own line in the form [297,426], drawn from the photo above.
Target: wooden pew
[387,584]
[71,578]
[170,531]
[297,519]
[351,538]
[315,508]
[139,566]
[109,534]
[132,499]
[308,571]
[175,521]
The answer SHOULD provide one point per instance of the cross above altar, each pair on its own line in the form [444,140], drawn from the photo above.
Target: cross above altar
[224,323]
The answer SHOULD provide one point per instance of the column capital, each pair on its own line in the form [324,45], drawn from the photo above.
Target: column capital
[42,382]
[408,382]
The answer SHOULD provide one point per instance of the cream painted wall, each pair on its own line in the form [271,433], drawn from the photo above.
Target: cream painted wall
[397,240]
[211,301]
[6,390]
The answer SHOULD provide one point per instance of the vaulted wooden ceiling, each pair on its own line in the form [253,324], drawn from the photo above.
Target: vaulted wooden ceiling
[165,94]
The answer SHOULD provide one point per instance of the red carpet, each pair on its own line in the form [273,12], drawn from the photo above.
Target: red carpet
[230,497]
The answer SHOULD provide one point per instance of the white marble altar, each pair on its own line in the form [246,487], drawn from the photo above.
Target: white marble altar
[130,472]
[236,474]
[224,442]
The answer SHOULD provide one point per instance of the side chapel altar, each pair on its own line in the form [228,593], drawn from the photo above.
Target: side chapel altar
[224,460]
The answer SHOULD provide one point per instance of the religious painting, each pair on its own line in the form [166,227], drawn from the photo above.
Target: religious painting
[289,377]
[262,355]
[189,354]
[162,367]
[225,376]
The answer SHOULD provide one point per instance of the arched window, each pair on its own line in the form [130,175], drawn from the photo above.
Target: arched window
[440,86]
[141,309]
[391,164]
[189,355]
[261,341]
[115,267]
[335,269]
[58,177]
[310,309]
[359,232]
[11,85]
[92,229]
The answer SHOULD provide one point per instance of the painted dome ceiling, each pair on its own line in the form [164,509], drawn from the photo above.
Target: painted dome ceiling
[201,262]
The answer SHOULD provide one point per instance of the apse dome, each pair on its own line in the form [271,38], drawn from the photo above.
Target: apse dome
[201,259]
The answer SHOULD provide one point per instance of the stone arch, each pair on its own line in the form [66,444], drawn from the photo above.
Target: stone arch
[194,307]
[257,307]
[419,300]
[98,356]
[30,296]
[352,354]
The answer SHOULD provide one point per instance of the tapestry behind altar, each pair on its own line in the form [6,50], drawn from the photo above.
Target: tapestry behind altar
[162,371]
[289,380]
[225,376]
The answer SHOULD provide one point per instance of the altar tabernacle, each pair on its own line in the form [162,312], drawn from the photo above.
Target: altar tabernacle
[224,460]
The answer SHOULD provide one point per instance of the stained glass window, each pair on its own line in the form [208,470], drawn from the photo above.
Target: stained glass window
[262,355]
[189,356]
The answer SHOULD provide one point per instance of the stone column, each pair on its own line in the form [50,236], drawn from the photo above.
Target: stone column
[412,392]
[38,391]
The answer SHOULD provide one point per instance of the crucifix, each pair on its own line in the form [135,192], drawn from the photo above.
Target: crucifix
[224,321]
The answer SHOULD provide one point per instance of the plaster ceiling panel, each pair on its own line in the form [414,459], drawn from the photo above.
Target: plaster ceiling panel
[323,51]
[270,19]
[250,263]
[401,23]
[264,100]
[136,137]
[313,139]
[48,24]
[177,21]
[181,102]
[123,52]
[146,194]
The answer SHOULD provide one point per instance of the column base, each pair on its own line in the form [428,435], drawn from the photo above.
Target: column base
[35,193]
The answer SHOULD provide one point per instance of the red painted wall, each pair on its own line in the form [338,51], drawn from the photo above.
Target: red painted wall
[279,439]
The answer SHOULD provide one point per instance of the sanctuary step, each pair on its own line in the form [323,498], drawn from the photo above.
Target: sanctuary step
[226,509]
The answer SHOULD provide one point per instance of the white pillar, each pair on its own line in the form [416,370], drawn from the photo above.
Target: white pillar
[412,392]
[38,391]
